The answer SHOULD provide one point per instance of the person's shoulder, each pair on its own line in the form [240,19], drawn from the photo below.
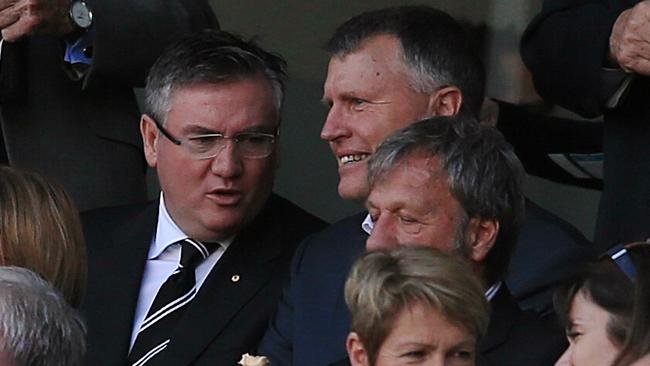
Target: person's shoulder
[109,218]
[341,243]
[526,338]
[286,212]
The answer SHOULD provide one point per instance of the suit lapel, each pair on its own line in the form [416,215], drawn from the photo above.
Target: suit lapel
[502,318]
[124,260]
[245,268]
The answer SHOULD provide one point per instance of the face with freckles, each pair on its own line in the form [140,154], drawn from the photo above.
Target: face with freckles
[369,97]
[213,198]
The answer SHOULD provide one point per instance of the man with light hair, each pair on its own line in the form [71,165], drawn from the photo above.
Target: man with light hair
[388,69]
[37,326]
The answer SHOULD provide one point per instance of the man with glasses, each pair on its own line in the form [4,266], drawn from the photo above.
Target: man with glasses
[193,278]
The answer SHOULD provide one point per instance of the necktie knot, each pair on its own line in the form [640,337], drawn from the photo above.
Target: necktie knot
[194,252]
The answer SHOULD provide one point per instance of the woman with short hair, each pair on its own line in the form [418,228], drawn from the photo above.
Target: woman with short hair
[414,305]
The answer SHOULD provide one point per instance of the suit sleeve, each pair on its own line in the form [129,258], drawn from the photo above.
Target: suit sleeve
[130,34]
[535,136]
[565,48]
[277,343]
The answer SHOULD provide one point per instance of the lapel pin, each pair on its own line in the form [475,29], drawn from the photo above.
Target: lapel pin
[234,278]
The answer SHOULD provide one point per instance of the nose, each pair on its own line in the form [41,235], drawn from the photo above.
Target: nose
[382,235]
[227,163]
[334,127]
[565,359]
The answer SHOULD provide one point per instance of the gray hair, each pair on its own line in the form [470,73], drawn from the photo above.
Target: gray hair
[37,326]
[435,48]
[210,57]
[383,283]
[485,176]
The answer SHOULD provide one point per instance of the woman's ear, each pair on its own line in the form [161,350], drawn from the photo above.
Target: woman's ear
[445,101]
[356,352]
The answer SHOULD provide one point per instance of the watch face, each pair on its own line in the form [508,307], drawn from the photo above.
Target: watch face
[81,15]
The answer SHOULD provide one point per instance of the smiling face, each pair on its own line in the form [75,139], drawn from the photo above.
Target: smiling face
[589,343]
[369,97]
[420,335]
[213,198]
[412,204]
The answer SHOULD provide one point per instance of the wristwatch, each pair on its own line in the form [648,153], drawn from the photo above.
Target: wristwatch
[80,14]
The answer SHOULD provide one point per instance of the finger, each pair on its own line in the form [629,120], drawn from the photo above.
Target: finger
[4,4]
[25,26]
[8,17]
[640,66]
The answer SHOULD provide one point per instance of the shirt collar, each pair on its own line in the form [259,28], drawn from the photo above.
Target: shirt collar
[367,224]
[168,233]
[491,292]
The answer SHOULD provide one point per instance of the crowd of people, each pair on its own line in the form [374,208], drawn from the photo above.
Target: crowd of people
[449,264]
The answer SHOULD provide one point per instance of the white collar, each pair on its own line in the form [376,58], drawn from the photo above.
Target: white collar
[168,233]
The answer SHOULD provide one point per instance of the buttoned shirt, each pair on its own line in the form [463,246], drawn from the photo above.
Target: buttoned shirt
[163,259]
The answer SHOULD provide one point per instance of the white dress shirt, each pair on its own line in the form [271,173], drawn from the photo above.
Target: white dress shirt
[163,258]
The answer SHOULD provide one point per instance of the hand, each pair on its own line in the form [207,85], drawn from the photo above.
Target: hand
[629,42]
[20,18]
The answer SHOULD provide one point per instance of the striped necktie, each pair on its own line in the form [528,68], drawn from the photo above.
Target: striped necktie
[172,299]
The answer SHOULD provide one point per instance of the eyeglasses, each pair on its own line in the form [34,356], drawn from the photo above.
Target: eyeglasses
[250,145]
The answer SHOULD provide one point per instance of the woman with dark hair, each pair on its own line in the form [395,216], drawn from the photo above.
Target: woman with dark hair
[607,310]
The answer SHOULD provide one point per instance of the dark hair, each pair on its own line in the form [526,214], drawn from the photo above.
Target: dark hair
[626,300]
[435,48]
[485,176]
[209,57]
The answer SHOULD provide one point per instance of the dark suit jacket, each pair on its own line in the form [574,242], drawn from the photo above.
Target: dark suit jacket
[225,320]
[565,47]
[84,133]
[312,321]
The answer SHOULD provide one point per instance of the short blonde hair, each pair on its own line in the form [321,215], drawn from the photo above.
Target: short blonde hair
[40,229]
[382,283]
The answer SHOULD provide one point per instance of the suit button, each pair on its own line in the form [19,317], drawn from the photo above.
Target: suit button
[234,278]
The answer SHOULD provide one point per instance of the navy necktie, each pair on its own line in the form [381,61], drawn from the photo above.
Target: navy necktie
[172,299]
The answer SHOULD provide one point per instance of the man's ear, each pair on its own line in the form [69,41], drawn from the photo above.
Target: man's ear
[150,135]
[356,352]
[480,236]
[445,101]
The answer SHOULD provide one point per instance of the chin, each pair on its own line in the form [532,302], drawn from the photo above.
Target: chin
[353,192]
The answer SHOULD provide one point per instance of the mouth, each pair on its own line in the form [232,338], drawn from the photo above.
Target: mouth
[225,197]
[351,159]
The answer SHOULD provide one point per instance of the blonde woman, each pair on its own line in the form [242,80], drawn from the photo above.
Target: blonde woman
[40,230]
[414,306]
